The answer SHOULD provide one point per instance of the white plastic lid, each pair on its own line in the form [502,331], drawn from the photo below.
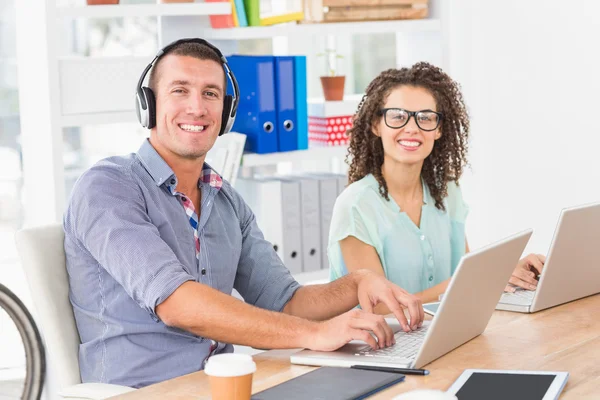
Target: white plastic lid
[230,364]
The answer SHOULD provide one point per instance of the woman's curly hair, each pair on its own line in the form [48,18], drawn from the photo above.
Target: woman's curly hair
[448,157]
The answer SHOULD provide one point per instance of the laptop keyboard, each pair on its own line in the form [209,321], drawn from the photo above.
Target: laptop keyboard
[521,297]
[407,345]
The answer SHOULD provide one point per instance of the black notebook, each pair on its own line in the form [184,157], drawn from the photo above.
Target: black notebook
[331,383]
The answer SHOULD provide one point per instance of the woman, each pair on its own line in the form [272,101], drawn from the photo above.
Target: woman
[403,214]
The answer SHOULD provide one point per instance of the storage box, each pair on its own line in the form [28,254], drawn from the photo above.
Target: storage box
[364,10]
[328,121]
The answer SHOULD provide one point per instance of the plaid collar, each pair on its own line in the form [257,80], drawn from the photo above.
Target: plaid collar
[160,171]
[211,177]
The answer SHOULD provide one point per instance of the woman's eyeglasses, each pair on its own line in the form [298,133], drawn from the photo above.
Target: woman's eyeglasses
[426,120]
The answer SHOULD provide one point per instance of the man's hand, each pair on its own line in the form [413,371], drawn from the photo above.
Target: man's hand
[352,325]
[374,289]
[526,273]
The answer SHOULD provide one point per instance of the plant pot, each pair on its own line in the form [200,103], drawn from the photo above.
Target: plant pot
[333,87]
[99,2]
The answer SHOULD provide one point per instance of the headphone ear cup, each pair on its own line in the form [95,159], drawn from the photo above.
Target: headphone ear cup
[139,111]
[227,104]
[151,109]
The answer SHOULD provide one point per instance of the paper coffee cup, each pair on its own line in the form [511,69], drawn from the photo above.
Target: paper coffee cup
[230,376]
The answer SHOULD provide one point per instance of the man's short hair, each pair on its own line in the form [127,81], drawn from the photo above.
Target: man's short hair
[190,49]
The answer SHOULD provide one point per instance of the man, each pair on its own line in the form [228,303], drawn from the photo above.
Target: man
[156,241]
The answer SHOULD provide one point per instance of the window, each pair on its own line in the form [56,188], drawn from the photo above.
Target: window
[366,68]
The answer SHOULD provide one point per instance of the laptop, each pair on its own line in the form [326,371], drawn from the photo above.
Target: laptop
[464,313]
[572,268]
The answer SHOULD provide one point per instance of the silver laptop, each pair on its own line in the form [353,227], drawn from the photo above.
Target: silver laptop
[464,313]
[572,268]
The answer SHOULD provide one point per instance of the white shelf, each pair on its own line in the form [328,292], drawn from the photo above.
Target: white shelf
[313,277]
[98,118]
[313,154]
[145,10]
[334,28]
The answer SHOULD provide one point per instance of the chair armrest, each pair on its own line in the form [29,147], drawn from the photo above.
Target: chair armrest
[93,391]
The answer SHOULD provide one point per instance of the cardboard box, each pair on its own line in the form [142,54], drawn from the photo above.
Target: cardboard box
[364,10]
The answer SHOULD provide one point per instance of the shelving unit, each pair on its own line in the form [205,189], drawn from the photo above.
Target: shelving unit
[334,28]
[144,10]
[312,154]
[107,91]
[102,93]
[98,118]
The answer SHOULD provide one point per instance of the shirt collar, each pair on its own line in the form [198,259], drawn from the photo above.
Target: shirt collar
[160,171]
[427,199]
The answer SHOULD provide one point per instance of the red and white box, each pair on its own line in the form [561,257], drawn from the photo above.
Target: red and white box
[328,121]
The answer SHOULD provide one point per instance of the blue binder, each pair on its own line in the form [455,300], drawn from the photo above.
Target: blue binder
[301,101]
[285,93]
[256,114]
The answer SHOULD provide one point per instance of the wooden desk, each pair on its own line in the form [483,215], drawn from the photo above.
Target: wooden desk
[563,338]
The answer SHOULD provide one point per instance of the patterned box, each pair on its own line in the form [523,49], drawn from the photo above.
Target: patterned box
[328,121]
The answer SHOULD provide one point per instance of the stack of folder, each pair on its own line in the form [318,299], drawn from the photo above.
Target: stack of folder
[294,213]
[226,155]
[272,112]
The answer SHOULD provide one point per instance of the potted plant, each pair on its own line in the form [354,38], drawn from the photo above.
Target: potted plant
[333,84]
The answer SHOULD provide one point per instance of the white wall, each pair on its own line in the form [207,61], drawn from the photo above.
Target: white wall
[530,73]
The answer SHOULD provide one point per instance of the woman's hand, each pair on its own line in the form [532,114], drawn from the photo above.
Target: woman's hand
[526,273]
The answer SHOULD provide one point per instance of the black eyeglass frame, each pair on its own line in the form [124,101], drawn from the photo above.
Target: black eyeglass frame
[383,112]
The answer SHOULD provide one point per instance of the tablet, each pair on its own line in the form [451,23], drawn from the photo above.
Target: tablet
[476,384]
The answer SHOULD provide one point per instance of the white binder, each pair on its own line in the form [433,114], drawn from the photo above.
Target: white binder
[328,192]
[291,224]
[276,205]
[310,216]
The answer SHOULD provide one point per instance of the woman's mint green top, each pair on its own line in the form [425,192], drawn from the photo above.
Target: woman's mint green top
[414,258]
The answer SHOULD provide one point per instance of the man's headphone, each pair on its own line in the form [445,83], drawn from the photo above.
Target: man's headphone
[145,103]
